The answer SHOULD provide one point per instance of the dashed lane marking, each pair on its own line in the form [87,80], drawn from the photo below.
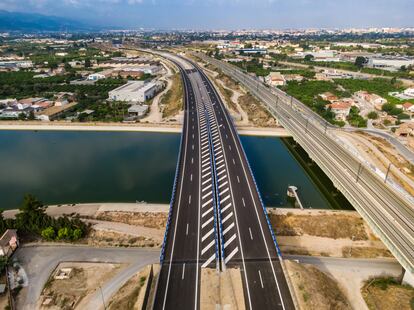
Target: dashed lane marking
[261,280]
[250,231]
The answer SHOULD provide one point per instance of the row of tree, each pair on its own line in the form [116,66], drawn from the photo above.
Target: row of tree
[32,220]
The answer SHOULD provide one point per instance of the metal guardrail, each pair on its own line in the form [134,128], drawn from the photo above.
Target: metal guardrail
[174,190]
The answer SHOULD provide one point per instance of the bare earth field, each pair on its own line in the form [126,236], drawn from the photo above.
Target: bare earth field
[314,289]
[384,294]
[73,292]
[325,233]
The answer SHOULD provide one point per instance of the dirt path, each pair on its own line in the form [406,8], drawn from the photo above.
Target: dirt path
[372,154]
[235,99]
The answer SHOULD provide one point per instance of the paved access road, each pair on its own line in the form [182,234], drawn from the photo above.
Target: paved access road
[218,219]
[388,212]
[39,261]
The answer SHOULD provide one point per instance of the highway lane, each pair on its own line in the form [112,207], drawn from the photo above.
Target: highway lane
[179,271]
[387,212]
[247,240]
[217,217]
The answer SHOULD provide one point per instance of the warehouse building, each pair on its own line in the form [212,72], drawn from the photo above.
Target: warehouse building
[135,91]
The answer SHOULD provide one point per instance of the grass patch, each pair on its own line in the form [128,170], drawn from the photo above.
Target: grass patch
[173,99]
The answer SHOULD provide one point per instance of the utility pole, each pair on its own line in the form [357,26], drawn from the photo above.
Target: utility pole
[388,172]
[359,172]
[103,300]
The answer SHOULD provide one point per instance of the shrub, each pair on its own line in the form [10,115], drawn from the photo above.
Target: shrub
[48,233]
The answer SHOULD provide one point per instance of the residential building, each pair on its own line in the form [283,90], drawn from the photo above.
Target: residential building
[275,79]
[408,107]
[328,96]
[9,242]
[341,109]
[374,100]
[134,91]
[96,77]
[293,77]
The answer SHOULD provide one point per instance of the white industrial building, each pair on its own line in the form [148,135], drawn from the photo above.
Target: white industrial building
[390,63]
[134,91]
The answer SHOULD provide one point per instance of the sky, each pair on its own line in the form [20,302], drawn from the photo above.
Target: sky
[226,14]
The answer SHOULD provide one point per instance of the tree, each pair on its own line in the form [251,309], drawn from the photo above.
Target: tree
[32,216]
[309,57]
[360,61]
[88,63]
[31,116]
[372,115]
[49,233]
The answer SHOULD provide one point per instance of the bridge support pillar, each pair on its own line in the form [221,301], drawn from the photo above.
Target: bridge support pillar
[408,278]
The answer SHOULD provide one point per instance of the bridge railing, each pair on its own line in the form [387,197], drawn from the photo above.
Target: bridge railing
[174,190]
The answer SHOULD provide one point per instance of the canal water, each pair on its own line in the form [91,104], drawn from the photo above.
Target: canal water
[80,167]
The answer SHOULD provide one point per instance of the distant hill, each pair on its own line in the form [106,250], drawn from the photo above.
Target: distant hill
[28,22]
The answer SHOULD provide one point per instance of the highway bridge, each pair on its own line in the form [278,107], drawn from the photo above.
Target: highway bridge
[389,212]
[217,219]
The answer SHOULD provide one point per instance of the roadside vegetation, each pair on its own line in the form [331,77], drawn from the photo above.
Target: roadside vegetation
[33,222]
[387,293]
[172,100]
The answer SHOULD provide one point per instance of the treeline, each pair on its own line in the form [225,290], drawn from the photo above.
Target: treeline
[32,220]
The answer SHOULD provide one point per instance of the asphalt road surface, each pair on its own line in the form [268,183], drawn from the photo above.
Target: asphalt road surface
[218,219]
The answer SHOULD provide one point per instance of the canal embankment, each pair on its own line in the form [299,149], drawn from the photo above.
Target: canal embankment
[136,127]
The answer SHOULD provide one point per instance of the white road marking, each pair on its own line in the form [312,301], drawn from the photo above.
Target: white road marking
[225,208]
[244,204]
[228,228]
[222,178]
[186,231]
[250,231]
[229,147]
[261,280]
[218,168]
[238,179]
[206,188]
[219,162]
[225,191]
[227,217]
[189,199]
[226,198]
[206,181]
[223,184]
[192,146]
[207,212]
[230,256]
[182,276]
[229,241]
[207,262]
[192,160]
[221,172]
[207,247]
[207,235]
[206,203]
[233,160]
[191,177]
